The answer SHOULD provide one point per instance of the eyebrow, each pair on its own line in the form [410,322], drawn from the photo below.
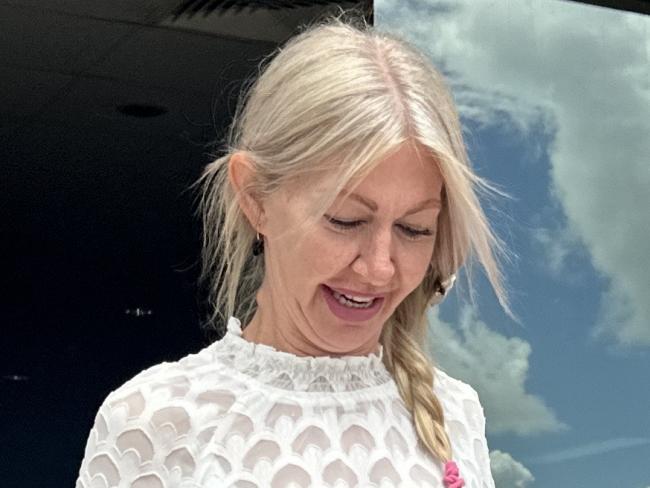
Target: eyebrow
[429,203]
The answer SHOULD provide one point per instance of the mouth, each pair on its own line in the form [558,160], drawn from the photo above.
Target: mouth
[347,308]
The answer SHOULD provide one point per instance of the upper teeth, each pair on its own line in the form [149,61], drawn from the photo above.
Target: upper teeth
[352,297]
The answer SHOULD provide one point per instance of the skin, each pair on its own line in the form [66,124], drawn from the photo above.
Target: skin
[375,257]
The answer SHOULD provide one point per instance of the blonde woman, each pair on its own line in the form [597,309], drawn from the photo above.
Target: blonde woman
[341,210]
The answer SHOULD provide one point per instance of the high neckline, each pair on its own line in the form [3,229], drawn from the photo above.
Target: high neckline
[289,371]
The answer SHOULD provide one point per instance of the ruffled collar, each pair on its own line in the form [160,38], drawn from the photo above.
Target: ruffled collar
[289,371]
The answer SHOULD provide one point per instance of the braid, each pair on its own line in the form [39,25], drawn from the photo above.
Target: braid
[413,375]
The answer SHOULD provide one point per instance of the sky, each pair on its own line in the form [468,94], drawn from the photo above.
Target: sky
[554,98]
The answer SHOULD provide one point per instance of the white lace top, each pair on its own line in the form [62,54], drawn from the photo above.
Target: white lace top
[240,414]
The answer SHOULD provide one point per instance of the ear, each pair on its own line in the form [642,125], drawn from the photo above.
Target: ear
[240,172]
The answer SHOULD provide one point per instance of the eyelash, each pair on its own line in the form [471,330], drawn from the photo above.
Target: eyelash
[412,234]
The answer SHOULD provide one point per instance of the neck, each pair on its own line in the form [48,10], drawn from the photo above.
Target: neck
[272,328]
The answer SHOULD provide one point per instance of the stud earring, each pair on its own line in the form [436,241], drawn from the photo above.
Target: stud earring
[442,287]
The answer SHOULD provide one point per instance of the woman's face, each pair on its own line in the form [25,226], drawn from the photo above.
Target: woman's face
[385,251]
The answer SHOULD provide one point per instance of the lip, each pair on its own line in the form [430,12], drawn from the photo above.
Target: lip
[353,293]
[350,314]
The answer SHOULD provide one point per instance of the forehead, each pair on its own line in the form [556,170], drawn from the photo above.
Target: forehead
[405,165]
[411,174]
[407,173]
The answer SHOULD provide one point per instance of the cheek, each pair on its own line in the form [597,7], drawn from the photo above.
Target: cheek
[414,265]
[325,255]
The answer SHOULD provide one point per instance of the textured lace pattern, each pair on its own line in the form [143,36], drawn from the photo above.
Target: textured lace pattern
[239,414]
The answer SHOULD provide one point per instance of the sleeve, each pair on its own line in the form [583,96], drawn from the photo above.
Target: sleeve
[477,419]
[138,440]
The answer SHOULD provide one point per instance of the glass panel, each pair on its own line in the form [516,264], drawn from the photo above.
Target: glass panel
[555,101]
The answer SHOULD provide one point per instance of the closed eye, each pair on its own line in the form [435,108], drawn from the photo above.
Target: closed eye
[410,232]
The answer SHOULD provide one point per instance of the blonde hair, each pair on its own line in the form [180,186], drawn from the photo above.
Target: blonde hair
[333,102]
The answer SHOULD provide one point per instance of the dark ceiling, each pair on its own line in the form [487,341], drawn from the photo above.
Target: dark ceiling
[639,6]
[109,112]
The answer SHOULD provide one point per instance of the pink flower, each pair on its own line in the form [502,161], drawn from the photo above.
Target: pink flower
[452,479]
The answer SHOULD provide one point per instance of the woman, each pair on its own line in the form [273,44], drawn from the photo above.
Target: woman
[342,209]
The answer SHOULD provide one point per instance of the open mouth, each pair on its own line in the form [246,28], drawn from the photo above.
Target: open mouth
[351,308]
[352,301]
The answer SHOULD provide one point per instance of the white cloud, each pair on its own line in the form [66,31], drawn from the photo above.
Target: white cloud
[507,472]
[582,73]
[496,366]
[558,246]
[591,449]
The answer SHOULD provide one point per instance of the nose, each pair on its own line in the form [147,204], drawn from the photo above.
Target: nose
[375,259]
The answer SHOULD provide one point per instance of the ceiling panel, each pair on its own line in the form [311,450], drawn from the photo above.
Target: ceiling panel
[25,91]
[160,57]
[50,41]
[139,11]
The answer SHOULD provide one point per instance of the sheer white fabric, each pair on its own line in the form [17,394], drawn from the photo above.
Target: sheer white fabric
[245,415]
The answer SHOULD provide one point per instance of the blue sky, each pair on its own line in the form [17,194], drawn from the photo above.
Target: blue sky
[555,100]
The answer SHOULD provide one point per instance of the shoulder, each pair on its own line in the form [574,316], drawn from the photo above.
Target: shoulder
[161,396]
[460,400]
[167,379]
[143,429]
[446,384]
[465,424]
